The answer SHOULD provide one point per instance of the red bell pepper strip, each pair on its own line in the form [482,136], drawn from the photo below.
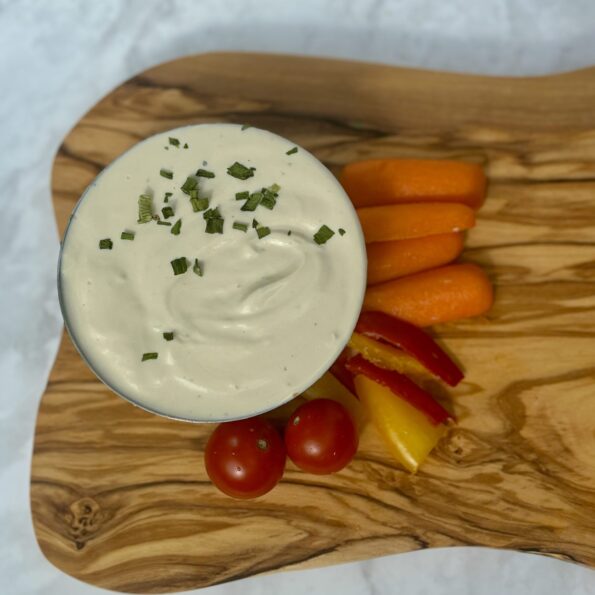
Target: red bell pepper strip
[402,387]
[341,373]
[412,340]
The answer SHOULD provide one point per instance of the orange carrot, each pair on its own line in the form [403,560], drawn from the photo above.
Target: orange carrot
[440,295]
[401,222]
[389,181]
[389,260]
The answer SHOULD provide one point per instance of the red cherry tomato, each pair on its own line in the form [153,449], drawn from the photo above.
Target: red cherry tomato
[245,458]
[321,437]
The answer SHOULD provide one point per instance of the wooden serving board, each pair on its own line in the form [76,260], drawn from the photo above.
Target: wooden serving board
[120,498]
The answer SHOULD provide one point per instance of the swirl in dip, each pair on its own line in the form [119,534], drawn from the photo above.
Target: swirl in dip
[271,303]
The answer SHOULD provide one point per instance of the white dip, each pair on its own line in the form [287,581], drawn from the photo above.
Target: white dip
[267,317]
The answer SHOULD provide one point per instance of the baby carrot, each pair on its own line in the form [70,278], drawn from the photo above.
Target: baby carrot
[389,260]
[400,222]
[431,297]
[389,181]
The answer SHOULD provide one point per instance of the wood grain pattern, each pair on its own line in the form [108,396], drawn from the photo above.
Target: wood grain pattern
[120,498]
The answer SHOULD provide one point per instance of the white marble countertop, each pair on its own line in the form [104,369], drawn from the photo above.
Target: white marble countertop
[58,58]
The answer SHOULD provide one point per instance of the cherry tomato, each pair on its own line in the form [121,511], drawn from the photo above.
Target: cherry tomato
[321,437]
[245,458]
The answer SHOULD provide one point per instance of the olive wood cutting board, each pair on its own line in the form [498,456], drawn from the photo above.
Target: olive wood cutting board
[120,498]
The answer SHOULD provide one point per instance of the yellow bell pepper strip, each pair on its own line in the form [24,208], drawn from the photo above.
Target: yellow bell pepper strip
[412,340]
[409,435]
[402,387]
[387,356]
[328,387]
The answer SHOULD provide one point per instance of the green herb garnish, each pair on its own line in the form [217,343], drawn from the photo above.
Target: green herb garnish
[165,173]
[237,170]
[274,188]
[106,244]
[167,212]
[164,223]
[179,265]
[246,126]
[242,195]
[197,269]
[292,151]
[262,232]
[168,336]
[167,195]
[323,235]
[240,226]
[127,235]
[268,199]
[255,224]
[205,173]
[174,141]
[341,231]
[214,220]
[199,204]
[177,227]
[145,208]
[212,214]
[189,184]
[214,226]
[252,202]
[185,145]
[151,355]
[289,232]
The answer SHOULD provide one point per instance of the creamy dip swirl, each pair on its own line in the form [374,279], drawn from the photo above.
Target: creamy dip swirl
[268,315]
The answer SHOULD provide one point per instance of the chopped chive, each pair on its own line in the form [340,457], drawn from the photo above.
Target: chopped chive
[174,141]
[214,226]
[323,235]
[176,228]
[262,232]
[240,226]
[193,193]
[164,223]
[245,127]
[168,336]
[341,231]
[167,212]
[127,235]
[151,355]
[268,200]
[165,173]
[237,170]
[274,188]
[289,232]
[197,269]
[212,214]
[167,195]
[255,224]
[145,208]
[252,202]
[205,173]
[242,195]
[166,148]
[179,265]
[199,204]
[185,145]
[189,184]
[106,244]
[292,151]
